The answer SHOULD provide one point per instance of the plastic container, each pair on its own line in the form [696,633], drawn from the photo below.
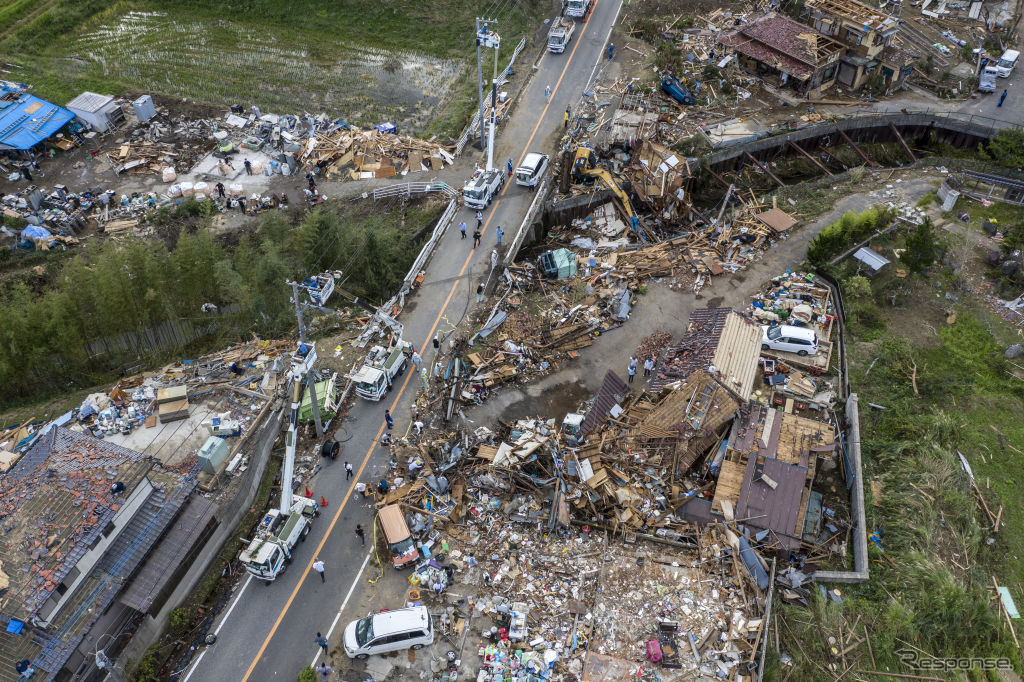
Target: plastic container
[187,189]
[170,175]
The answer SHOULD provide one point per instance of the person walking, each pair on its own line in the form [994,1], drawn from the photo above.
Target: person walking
[480,292]
[322,641]
[632,369]
[509,166]
[566,118]
[462,228]
[437,343]
[611,51]
[361,533]
[324,670]
[479,219]
[416,359]
[348,471]
[248,167]
[547,93]
[387,418]
[499,233]
[1002,98]
[648,366]
[319,567]
[476,238]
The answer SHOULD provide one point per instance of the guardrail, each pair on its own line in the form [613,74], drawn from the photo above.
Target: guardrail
[524,227]
[407,189]
[473,124]
[425,253]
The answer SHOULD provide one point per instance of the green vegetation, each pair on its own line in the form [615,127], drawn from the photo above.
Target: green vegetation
[111,289]
[364,61]
[923,247]
[307,674]
[1005,149]
[850,229]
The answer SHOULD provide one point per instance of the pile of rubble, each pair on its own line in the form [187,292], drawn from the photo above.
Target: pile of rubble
[161,143]
[354,154]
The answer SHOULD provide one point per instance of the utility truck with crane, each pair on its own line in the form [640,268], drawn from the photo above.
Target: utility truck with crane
[578,8]
[268,554]
[384,363]
[560,35]
[481,188]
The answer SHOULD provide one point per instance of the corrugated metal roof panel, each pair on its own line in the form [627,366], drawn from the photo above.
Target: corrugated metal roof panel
[611,393]
[870,258]
[739,348]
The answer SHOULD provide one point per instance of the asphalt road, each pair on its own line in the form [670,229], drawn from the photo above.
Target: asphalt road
[266,632]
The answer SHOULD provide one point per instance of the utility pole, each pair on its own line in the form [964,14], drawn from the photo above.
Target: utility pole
[310,381]
[481,33]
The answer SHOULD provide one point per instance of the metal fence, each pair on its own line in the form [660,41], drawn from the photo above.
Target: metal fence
[407,189]
[524,227]
[475,123]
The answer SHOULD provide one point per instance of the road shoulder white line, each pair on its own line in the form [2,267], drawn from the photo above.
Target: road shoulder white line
[337,616]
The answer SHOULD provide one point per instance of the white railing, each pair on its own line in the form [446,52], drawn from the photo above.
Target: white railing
[409,188]
[517,241]
[475,123]
[425,253]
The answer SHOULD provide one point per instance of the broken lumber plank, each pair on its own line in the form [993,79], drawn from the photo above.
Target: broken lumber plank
[857,149]
[903,143]
[764,168]
[807,156]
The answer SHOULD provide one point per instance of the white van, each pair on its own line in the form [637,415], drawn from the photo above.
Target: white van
[380,633]
[533,169]
[1007,62]
[799,340]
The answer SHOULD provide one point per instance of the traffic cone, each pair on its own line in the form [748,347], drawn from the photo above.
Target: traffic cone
[323,501]
[309,493]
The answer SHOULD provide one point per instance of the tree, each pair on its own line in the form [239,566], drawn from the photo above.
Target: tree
[857,287]
[1005,149]
[923,247]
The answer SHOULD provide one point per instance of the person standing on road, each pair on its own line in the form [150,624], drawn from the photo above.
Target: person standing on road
[499,233]
[611,51]
[480,292]
[437,343]
[648,366]
[1002,98]
[494,258]
[479,219]
[322,641]
[416,359]
[348,471]
[462,228]
[476,237]
[248,167]
[566,118]
[388,420]
[361,533]
[319,567]
[509,166]
[632,369]
[547,93]
[220,189]
[324,670]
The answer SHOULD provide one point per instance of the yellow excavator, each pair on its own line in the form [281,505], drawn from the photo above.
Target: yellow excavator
[583,166]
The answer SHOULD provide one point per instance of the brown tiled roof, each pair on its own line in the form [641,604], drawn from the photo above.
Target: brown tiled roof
[784,44]
[53,504]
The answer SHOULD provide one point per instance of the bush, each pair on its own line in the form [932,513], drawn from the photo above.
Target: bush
[857,287]
[923,247]
[1005,149]
[307,674]
[850,229]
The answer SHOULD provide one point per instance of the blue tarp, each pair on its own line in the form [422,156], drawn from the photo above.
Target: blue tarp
[35,232]
[29,121]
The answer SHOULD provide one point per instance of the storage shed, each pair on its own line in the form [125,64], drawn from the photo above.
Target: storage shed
[100,112]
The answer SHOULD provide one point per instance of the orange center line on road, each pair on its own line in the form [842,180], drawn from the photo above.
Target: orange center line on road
[544,113]
[362,466]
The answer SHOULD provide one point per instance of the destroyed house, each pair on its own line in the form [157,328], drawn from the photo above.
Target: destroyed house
[26,120]
[787,53]
[767,473]
[870,37]
[79,517]
[719,340]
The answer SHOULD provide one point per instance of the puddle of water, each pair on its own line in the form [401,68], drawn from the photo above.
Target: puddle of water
[218,61]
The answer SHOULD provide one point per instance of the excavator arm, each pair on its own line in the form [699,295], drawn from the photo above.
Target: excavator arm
[606,177]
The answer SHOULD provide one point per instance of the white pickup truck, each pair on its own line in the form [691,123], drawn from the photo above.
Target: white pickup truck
[560,35]
[481,188]
[578,8]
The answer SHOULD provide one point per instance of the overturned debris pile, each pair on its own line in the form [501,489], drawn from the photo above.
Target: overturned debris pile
[355,154]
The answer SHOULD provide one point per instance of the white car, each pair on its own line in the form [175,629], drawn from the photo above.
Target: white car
[380,633]
[799,340]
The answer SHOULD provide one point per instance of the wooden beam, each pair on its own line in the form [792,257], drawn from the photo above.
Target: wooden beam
[718,177]
[903,143]
[807,156]
[857,149]
[764,168]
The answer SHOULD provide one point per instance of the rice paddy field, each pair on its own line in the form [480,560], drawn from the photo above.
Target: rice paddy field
[367,62]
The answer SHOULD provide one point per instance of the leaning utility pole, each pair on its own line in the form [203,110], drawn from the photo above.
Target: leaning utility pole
[310,381]
[481,32]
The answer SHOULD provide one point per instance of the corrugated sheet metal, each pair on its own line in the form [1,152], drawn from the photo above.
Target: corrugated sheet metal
[611,393]
[778,508]
[871,259]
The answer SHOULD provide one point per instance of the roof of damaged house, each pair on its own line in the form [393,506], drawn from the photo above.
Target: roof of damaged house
[856,12]
[54,504]
[786,45]
[719,340]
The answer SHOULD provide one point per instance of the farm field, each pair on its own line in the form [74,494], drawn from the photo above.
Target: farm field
[362,61]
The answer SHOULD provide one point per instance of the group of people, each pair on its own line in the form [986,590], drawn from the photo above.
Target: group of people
[648,367]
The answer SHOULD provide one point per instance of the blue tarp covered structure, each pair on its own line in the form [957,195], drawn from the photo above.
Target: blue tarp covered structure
[27,121]
[35,232]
